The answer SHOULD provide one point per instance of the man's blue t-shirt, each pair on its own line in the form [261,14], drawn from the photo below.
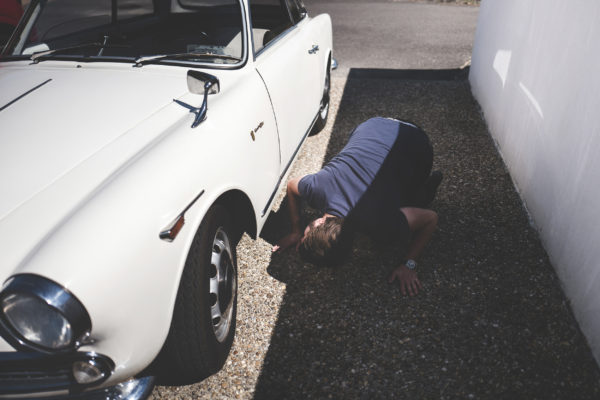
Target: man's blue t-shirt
[369,179]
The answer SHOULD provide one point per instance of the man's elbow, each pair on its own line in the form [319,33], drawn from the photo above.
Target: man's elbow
[432,219]
[292,186]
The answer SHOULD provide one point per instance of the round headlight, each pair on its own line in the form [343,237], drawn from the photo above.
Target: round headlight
[39,314]
[36,321]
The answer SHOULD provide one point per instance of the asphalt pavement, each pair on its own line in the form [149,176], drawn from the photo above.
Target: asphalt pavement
[491,322]
[398,34]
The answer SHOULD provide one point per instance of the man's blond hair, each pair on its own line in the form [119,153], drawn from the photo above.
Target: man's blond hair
[328,243]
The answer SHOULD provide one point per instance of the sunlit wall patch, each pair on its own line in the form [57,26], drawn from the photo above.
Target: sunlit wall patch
[532,99]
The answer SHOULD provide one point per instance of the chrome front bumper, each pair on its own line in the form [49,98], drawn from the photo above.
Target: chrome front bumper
[133,389]
[32,375]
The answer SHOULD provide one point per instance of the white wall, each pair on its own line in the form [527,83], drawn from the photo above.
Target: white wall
[536,74]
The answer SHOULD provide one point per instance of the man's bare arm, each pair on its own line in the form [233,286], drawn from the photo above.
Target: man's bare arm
[293,196]
[422,224]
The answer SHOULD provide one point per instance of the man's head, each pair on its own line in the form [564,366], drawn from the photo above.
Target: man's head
[326,241]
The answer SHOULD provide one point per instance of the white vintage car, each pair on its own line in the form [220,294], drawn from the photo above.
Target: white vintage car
[138,140]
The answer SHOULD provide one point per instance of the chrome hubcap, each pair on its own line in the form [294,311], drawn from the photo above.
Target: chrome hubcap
[324,110]
[325,100]
[223,285]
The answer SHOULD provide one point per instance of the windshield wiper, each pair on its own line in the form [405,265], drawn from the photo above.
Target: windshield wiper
[150,59]
[35,57]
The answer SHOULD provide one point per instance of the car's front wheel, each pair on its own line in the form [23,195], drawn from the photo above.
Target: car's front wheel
[203,324]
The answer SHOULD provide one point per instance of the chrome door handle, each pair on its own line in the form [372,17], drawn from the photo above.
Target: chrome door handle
[314,49]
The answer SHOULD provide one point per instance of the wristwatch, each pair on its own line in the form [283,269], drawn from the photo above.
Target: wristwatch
[411,264]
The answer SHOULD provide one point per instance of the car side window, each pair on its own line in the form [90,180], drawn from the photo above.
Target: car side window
[295,11]
[134,8]
[269,19]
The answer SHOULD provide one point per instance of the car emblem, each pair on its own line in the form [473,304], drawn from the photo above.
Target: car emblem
[255,130]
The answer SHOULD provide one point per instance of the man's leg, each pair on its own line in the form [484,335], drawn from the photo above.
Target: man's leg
[415,154]
[425,194]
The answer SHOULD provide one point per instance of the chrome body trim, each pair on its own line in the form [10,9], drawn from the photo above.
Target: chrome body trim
[134,389]
[275,40]
[256,53]
[172,230]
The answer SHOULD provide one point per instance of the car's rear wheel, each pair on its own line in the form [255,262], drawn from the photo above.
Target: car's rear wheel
[324,106]
[203,324]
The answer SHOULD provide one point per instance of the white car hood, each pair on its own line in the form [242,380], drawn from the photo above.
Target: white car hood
[74,114]
[61,140]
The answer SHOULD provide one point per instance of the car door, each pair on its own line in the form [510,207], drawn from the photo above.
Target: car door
[312,34]
[288,69]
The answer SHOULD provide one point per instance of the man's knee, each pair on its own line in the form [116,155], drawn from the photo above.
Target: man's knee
[429,219]
[433,218]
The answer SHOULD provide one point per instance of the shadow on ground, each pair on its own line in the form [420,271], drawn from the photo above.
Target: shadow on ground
[491,322]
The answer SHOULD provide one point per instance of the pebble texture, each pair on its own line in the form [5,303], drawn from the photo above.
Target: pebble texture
[490,323]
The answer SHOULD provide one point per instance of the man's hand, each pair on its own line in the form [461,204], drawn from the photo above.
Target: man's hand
[408,280]
[292,239]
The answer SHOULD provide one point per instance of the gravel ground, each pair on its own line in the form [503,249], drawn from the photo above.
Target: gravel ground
[491,322]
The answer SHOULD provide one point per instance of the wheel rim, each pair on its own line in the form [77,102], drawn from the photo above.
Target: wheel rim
[223,285]
[324,108]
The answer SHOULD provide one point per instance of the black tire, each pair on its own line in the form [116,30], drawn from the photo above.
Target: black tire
[324,107]
[198,345]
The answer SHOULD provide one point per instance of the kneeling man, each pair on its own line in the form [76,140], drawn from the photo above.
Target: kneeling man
[379,184]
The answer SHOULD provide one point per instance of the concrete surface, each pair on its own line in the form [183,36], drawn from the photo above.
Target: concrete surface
[398,34]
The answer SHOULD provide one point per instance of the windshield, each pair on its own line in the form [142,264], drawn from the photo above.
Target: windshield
[204,31]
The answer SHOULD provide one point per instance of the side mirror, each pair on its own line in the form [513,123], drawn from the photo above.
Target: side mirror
[200,83]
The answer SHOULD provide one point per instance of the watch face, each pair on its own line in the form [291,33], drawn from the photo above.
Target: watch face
[411,264]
